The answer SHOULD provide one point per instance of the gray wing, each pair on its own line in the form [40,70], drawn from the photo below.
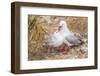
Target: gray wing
[50,39]
[73,39]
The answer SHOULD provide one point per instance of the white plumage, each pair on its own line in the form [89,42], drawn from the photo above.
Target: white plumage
[55,39]
[69,37]
[62,35]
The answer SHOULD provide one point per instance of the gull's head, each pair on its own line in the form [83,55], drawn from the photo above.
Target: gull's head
[62,25]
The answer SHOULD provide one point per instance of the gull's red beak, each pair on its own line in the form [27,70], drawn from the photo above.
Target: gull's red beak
[59,28]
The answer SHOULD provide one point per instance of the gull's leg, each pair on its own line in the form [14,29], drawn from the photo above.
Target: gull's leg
[66,49]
